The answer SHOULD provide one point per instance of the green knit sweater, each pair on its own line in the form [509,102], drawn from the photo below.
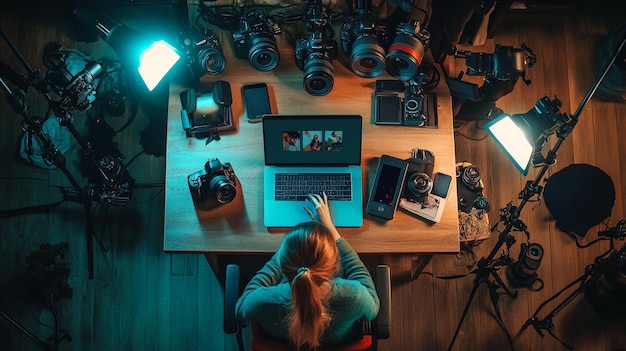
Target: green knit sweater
[267,297]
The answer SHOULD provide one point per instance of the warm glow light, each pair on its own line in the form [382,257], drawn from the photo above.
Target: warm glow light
[512,140]
[155,62]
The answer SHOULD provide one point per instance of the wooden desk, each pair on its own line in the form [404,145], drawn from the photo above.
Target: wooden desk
[237,227]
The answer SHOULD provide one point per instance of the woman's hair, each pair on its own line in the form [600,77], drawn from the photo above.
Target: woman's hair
[309,257]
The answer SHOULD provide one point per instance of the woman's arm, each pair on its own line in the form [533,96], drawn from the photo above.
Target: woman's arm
[322,213]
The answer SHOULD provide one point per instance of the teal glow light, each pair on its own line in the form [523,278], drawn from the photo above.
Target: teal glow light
[155,62]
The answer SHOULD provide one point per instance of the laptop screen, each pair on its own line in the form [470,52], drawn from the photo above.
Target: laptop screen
[312,139]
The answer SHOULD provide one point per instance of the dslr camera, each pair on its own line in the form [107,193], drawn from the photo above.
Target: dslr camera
[256,41]
[418,181]
[202,52]
[470,188]
[216,182]
[314,56]
[366,42]
[407,50]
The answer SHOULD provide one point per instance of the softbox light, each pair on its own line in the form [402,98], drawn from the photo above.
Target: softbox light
[521,136]
[149,59]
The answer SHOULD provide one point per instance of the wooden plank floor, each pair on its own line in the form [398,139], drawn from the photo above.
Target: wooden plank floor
[143,299]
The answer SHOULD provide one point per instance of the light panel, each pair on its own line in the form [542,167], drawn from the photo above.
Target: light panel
[155,62]
[513,140]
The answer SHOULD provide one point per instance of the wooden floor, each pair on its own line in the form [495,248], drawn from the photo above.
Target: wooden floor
[143,299]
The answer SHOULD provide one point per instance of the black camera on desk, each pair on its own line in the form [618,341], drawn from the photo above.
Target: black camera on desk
[255,41]
[314,56]
[202,52]
[208,112]
[215,183]
[366,41]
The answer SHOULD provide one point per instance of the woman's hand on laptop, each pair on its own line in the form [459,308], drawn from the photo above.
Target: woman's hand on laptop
[322,212]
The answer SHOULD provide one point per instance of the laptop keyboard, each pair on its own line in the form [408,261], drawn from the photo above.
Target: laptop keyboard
[296,186]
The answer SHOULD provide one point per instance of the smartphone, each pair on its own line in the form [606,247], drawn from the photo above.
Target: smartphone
[256,101]
[387,187]
[441,185]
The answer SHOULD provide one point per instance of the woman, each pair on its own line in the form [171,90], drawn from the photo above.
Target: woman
[314,289]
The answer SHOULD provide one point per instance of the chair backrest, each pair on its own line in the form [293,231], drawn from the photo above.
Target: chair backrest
[261,343]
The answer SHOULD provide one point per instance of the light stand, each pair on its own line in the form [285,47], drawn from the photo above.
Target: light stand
[62,110]
[41,344]
[486,266]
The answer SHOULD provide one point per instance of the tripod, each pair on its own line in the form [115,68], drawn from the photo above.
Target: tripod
[486,267]
[50,152]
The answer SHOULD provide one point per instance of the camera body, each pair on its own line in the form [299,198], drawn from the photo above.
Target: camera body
[207,112]
[202,52]
[505,63]
[314,56]
[404,104]
[366,42]
[419,183]
[216,181]
[407,50]
[470,188]
[255,41]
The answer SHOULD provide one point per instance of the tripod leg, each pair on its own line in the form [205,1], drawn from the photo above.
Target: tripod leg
[477,282]
[493,294]
[501,284]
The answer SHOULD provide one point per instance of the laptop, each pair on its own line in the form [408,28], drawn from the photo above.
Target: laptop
[312,153]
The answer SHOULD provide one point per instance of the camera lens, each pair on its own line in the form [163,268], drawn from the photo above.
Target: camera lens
[211,60]
[263,54]
[404,57]
[529,260]
[223,189]
[420,184]
[471,177]
[318,75]
[368,57]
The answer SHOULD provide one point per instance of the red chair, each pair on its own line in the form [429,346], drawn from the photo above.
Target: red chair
[372,330]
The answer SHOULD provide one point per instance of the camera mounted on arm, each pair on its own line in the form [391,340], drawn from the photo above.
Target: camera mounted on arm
[501,70]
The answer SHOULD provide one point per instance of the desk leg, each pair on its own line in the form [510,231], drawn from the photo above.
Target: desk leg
[417,266]
[213,261]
